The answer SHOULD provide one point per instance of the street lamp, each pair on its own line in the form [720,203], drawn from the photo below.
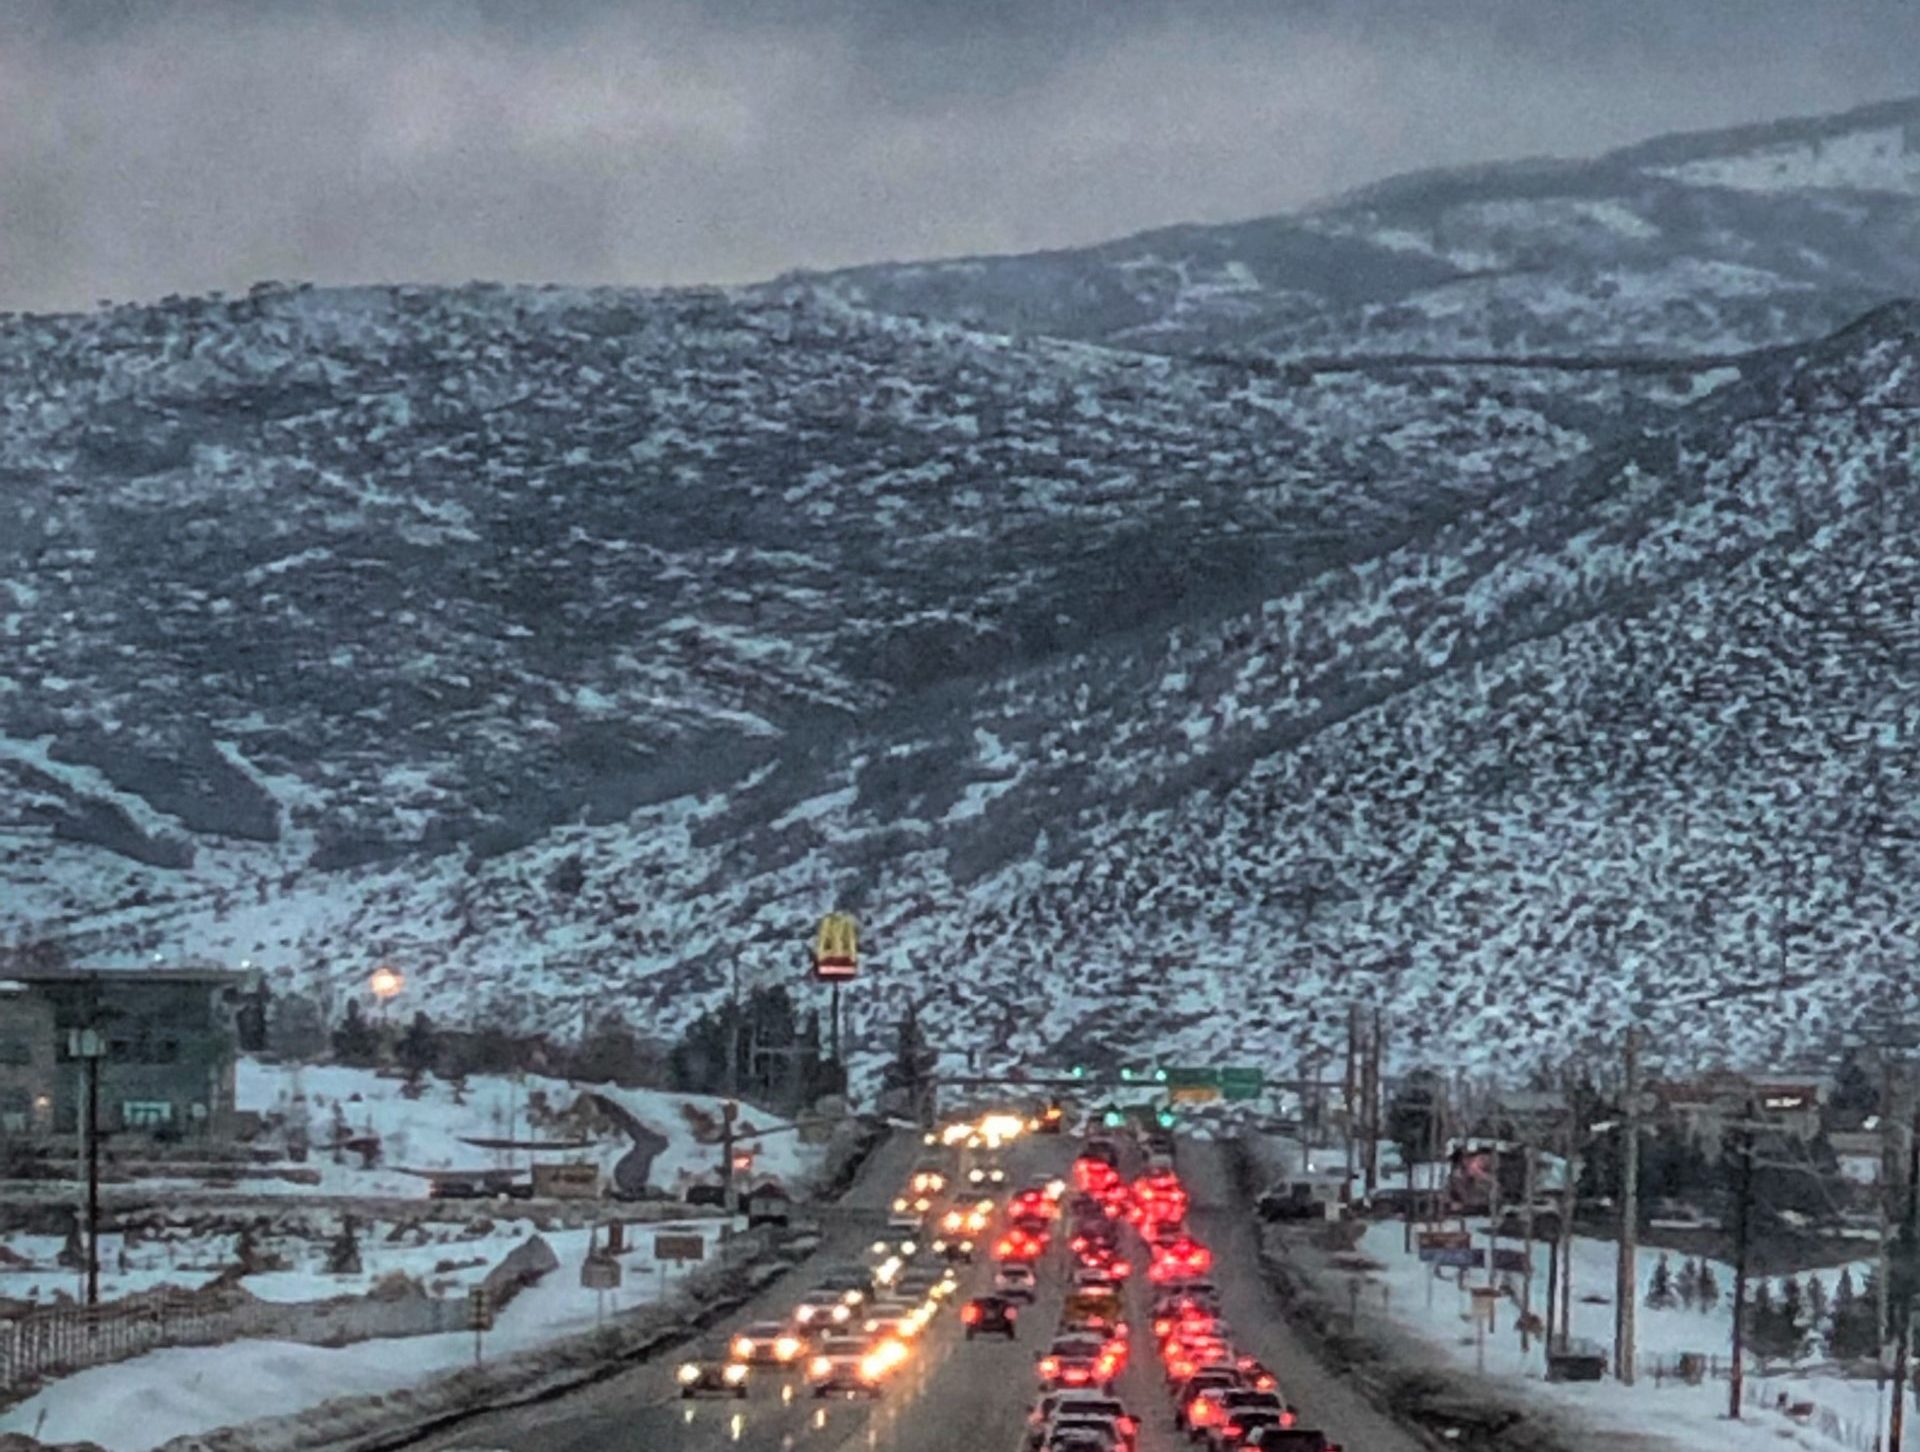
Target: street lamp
[88,1046]
[386,983]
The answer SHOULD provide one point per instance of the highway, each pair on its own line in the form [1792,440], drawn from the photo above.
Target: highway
[954,1396]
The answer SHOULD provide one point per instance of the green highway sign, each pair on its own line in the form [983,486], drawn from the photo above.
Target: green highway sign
[1192,1079]
[1232,1083]
[1241,1083]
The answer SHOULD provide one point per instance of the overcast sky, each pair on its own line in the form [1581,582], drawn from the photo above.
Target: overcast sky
[154,146]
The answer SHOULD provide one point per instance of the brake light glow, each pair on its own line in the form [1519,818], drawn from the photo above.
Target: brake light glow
[970,1314]
[1049,1367]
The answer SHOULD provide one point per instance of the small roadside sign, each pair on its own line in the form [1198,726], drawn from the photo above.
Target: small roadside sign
[479,1309]
[1432,1242]
[1194,1094]
[600,1272]
[679,1246]
[1465,1257]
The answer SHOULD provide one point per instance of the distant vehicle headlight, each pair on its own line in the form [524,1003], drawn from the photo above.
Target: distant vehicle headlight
[786,1348]
[689,1373]
[742,1347]
[734,1374]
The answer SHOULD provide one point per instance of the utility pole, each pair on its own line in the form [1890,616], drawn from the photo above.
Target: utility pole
[1526,1222]
[1903,1303]
[1889,1176]
[1626,1279]
[1373,1106]
[1350,1090]
[1563,1249]
[731,1105]
[1742,1217]
[1493,1201]
[93,1178]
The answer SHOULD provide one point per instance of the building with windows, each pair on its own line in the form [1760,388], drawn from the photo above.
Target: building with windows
[166,1039]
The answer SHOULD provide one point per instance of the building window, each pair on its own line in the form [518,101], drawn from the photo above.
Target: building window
[145,1113]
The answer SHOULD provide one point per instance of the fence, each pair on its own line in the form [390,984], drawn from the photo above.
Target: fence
[56,1340]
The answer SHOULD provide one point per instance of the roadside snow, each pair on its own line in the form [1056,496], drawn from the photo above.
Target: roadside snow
[135,1405]
[1437,1310]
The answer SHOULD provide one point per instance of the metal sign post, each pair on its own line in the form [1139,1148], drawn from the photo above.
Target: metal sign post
[479,1316]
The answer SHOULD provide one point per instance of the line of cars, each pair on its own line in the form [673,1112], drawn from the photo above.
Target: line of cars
[858,1325]
[1076,1409]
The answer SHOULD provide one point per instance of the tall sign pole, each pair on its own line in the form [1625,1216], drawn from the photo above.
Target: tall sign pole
[1626,1277]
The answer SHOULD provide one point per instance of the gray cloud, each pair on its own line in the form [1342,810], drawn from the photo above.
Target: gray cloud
[151,146]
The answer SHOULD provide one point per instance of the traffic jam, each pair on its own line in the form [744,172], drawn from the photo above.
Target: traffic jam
[1109,1228]
[854,1331]
[1131,1278]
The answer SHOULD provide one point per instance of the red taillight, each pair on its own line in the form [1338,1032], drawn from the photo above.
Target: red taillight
[1286,1417]
[1122,1269]
[1199,1410]
[1075,1374]
[970,1314]
[1161,1326]
[1263,1382]
[1128,1426]
[1049,1367]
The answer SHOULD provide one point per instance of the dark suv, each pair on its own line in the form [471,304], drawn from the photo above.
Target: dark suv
[989,1316]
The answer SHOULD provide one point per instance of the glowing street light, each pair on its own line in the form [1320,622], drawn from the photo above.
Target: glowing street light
[386,983]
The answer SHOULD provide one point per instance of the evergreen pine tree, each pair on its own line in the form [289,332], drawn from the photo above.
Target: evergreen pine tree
[419,1047]
[1763,1320]
[343,1255]
[1792,1327]
[1708,1294]
[1816,1304]
[1688,1283]
[1660,1294]
[1854,1330]
[354,1041]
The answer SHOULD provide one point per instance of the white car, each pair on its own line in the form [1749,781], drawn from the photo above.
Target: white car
[1015,1282]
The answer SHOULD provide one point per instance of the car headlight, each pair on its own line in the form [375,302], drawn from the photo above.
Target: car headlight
[819,1367]
[734,1374]
[742,1347]
[804,1314]
[786,1348]
[966,1247]
[879,1247]
[907,1247]
[842,1311]
[854,1298]
[688,1373]
[939,1247]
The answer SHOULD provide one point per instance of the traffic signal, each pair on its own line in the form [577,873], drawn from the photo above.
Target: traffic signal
[1159,1076]
[1078,1071]
[1165,1118]
[1114,1119]
[1126,1073]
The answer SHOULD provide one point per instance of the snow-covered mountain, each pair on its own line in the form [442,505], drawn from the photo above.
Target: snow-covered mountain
[1167,683]
[1687,245]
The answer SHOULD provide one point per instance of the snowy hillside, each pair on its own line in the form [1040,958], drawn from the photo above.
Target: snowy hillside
[1690,245]
[570,648]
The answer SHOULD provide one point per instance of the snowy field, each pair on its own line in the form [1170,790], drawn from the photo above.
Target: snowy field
[135,1405]
[1410,1296]
[434,1131]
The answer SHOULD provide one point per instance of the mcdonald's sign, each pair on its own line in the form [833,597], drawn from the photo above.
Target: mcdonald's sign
[836,949]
